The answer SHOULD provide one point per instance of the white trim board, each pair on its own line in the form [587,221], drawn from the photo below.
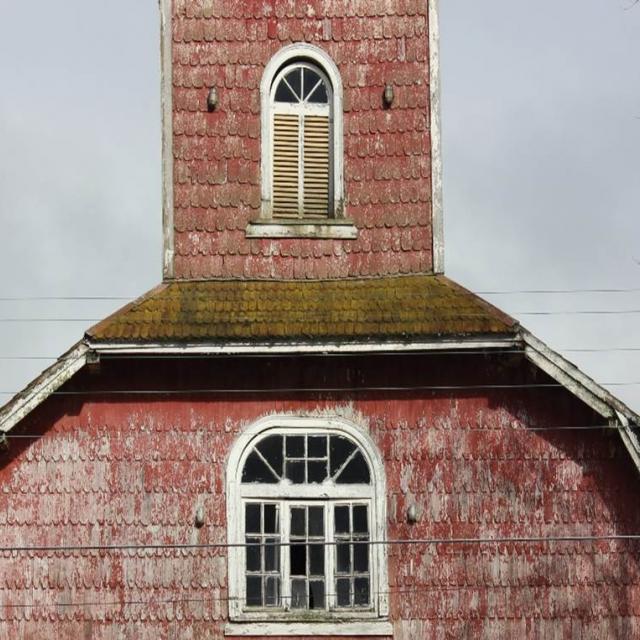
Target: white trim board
[351,629]
[166,98]
[437,211]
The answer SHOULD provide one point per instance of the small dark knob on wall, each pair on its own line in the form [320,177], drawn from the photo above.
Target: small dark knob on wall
[388,95]
[212,99]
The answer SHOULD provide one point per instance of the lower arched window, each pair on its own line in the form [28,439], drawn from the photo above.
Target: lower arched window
[306,509]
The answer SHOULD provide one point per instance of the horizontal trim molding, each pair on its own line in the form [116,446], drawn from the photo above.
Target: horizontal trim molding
[337,628]
[324,229]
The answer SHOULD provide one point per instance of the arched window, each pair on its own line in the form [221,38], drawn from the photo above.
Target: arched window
[302,147]
[306,501]
[301,142]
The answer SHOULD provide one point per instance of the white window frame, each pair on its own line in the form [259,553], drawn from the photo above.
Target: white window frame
[365,621]
[336,225]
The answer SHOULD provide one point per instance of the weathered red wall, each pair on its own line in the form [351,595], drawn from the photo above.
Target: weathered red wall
[226,44]
[133,469]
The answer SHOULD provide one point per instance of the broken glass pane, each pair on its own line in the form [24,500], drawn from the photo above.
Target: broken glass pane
[356,471]
[343,592]
[271,449]
[298,594]
[255,470]
[316,594]
[361,592]
[272,595]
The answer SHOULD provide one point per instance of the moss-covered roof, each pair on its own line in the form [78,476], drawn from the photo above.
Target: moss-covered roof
[390,308]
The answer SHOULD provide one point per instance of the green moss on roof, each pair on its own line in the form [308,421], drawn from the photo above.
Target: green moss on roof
[390,308]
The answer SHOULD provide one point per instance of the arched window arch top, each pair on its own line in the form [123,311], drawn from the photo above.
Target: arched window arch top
[318,458]
[305,85]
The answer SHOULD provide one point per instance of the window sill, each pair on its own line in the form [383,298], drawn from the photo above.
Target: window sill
[321,229]
[260,629]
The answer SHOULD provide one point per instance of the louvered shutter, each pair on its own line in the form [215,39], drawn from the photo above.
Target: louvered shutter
[316,165]
[286,164]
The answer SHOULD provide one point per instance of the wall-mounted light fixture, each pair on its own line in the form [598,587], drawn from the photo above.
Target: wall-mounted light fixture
[212,99]
[388,96]
[412,514]
[199,519]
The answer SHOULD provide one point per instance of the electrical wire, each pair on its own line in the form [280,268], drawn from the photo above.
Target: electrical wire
[208,546]
[302,390]
[458,431]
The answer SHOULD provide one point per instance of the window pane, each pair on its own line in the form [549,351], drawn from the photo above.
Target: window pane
[343,587]
[271,449]
[298,559]
[255,470]
[316,521]
[361,557]
[342,520]
[272,595]
[271,555]
[254,591]
[299,522]
[343,557]
[341,449]
[316,594]
[294,78]
[295,472]
[317,446]
[298,594]
[295,446]
[253,554]
[319,96]
[317,471]
[360,520]
[361,592]
[356,472]
[252,518]
[316,559]
[311,79]
[271,518]
[284,94]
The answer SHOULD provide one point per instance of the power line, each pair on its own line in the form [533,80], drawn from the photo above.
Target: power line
[302,390]
[208,546]
[522,429]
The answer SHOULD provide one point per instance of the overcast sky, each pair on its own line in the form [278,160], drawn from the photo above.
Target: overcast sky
[541,113]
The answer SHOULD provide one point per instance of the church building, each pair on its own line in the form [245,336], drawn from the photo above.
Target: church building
[306,429]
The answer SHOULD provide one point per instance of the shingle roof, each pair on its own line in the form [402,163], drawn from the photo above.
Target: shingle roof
[391,308]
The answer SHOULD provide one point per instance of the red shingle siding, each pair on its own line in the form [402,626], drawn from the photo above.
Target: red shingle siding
[387,166]
[111,470]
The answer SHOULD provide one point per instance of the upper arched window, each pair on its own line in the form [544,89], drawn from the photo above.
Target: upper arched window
[306,511]
[302,147]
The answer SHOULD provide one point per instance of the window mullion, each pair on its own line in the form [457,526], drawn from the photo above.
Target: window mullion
[301,166]
[285,555]
[330,557]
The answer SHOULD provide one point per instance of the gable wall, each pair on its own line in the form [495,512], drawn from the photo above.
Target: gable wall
[134,469]
[216,156]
